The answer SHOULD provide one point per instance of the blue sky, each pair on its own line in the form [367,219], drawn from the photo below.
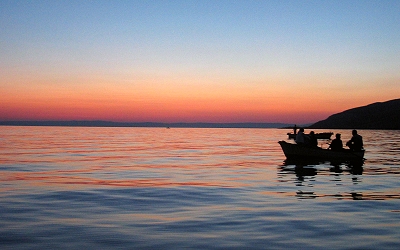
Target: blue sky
[337,51]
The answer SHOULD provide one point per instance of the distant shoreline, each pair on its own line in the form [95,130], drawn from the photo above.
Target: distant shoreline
[144,124]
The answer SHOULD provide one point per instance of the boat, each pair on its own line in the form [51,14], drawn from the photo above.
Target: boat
[320,136]
[295,151]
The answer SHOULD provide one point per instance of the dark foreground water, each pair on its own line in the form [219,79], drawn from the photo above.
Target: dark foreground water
[157,188]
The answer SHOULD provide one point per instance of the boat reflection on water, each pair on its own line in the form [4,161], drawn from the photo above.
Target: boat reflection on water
[357,196]
[306,172]
[354,167]
[304,167]
[301,168]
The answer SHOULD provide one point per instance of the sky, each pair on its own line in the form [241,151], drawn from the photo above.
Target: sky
[196,61]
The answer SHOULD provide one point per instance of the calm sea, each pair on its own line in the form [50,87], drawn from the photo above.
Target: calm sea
[158,188]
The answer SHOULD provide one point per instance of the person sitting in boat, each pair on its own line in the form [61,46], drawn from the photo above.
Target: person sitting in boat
[336,144]
[301,137]
[312,140]
[356,142]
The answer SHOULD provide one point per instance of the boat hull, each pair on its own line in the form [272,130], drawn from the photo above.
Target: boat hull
[295,151]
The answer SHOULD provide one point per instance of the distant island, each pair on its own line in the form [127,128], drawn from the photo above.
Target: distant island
[143,124]
[379,115]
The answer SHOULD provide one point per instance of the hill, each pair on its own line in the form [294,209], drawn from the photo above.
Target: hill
[379,115]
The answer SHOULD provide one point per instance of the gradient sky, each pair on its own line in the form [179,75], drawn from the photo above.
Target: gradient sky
[196,61]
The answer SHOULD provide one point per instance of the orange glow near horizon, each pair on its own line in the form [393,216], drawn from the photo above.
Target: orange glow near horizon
[230,62]
[171,99]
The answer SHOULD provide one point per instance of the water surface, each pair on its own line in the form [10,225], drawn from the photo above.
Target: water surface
[157,188]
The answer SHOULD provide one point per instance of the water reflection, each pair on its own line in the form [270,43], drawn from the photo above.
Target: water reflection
[309,172]
[305,167]
[148,188]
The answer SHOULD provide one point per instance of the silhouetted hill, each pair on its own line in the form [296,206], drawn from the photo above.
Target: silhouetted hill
[380,115]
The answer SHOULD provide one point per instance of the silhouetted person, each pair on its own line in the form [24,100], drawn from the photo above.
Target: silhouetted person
[300,137]
[356,142]
[312,140]
[295,129]
[336,144]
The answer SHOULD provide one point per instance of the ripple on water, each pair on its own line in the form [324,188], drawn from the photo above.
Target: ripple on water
[152,188]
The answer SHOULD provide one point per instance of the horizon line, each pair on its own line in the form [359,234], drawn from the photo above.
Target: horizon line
[104,123]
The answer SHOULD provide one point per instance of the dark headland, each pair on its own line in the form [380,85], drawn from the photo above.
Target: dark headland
[379,115]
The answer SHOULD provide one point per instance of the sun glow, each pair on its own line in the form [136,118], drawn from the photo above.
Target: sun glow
[197,65]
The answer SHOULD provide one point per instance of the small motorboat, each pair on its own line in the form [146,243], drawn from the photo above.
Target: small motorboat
[320,136]
[295,151]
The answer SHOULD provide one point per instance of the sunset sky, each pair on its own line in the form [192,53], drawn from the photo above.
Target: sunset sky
[196,61]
